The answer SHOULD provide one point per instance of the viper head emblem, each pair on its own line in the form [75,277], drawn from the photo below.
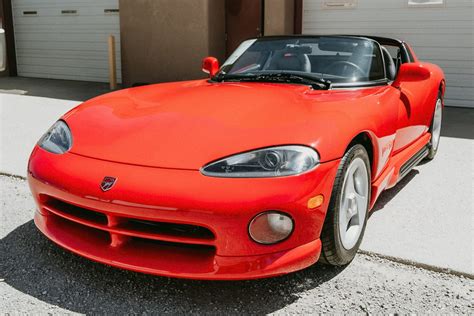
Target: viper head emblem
[107,183]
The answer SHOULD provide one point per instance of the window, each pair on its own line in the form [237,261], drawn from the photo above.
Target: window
[426,3]
[336,59]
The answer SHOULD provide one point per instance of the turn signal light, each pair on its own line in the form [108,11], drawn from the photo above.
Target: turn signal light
[316,201]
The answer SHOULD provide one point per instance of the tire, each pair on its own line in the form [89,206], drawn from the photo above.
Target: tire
[435,129]
[336,248]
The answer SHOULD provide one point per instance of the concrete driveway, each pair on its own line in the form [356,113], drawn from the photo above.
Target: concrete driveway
[427,218]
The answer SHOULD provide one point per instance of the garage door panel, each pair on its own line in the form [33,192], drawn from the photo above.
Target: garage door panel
[89,55]
[91,21]
[59,71]
[50,44]
[75,77]
[391,24]
[460,72]
[400,15]
[460,103]
[55,3]
[460,93]
[452,70]
[441,35]
[372,5]
[62,45]
[55,13]
[456,80]
[65,37]
[66,62]
[431,52]
[108,29]
[43,10]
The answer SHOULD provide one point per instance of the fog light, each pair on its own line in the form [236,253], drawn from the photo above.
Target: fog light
[271,227]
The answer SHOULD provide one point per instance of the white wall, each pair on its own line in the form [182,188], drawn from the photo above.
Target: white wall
[441,35]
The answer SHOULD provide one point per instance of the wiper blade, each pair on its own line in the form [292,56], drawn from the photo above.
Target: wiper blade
[314,82]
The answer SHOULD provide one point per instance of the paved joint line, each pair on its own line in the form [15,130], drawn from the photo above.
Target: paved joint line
[12,175]
[418,264]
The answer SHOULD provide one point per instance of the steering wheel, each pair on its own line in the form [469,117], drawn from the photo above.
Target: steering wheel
[345,65]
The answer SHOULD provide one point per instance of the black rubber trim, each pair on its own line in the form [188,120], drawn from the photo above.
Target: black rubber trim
[413,161]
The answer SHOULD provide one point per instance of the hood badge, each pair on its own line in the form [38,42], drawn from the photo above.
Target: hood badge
[107,183]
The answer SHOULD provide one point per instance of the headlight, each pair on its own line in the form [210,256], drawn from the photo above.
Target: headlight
[58,138]
[269,162]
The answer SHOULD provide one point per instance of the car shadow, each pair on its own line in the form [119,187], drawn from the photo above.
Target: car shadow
[35,266]
[387,195]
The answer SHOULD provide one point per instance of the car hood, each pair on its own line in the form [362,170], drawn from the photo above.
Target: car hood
[189,124]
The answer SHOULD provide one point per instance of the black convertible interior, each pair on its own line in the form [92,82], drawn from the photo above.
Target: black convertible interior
[353,63]
[340,59]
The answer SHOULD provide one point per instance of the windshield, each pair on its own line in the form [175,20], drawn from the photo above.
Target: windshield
[336,59]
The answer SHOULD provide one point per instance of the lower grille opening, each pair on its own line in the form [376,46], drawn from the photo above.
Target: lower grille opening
[137,241]
[133,227]
[76,211]
[133,253]
[181,230]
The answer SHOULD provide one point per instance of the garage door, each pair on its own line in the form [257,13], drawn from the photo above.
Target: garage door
[441,32]
[65,39]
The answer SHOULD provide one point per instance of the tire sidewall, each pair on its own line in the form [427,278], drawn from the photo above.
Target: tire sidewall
[432,150]
[343,255]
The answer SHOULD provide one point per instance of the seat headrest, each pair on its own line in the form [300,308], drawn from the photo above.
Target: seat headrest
[285,60]
[390,67]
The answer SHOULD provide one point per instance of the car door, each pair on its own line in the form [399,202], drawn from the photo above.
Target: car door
[412,107]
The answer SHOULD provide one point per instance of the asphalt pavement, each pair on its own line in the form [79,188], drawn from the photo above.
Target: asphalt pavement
[37,277]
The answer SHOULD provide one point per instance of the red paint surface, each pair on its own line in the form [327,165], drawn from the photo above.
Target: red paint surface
[154,139]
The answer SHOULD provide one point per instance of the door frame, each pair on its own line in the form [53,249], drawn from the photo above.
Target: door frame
[260,27]
[6,22]
[298,19]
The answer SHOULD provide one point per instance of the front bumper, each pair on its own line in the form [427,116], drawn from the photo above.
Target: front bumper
[221,206]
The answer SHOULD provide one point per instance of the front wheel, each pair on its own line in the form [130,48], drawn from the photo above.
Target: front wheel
[435,128]
[347,214]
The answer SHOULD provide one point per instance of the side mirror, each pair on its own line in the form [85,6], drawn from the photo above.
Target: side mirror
[3,50]
[210,65]
[411,72]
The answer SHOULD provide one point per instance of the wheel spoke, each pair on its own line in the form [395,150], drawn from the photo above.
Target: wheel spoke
[350,185]
[353,203]
[361,205]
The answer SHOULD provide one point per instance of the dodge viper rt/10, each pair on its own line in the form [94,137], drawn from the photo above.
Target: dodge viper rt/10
[269,165]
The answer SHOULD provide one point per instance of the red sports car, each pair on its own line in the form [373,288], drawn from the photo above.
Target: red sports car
[272,163]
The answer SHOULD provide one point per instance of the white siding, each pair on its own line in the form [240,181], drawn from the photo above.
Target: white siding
[58,46]
[441,35]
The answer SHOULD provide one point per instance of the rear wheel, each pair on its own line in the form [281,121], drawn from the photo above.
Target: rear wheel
[435,128]
[347,214]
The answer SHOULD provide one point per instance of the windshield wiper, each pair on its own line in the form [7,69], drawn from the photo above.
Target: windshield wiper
[314,82]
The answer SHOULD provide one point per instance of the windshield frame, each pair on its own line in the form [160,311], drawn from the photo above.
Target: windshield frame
[359,84]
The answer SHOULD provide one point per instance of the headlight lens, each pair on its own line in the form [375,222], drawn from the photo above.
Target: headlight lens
[270,227]
[269,162]
[58,138]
